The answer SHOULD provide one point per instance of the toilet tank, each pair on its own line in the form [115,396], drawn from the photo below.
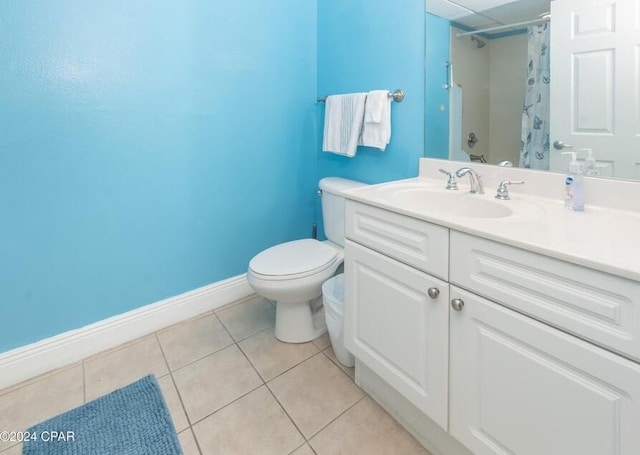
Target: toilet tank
[333,206]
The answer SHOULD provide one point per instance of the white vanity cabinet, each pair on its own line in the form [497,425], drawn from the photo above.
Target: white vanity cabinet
[397,318]
[518,353]
[523,385]
[518,386]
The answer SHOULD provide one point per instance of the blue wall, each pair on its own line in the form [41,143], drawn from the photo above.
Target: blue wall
[436,107]
[148,148]
[374,44]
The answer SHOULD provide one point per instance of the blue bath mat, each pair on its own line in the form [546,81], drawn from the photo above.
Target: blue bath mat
[133,420]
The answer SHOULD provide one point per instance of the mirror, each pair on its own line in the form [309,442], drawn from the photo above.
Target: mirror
[494,72]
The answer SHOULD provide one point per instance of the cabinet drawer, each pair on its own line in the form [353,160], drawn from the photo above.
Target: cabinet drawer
[414,242]
[594,305]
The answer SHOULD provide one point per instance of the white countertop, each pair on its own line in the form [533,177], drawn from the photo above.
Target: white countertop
[604,239]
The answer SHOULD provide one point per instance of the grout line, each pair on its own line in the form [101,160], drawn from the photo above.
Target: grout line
[197,359]
[184,409]
[337,417]
[239,339]
[118,348]
[322,428]
[291,368]
[173,381]
[222,325]
[299,447]
[246,337]
[35,379]
[193,435]
[250,363]
[237,302]
[238,398]
[164,356]
[319,347]
[340,366]
[6,450]
[228,404]
[196,318]
[305,443]
[284,371]
[287,414]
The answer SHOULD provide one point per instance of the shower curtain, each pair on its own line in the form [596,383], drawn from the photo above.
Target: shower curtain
[534,143]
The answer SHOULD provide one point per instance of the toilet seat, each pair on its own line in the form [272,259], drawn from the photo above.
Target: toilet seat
[291,260]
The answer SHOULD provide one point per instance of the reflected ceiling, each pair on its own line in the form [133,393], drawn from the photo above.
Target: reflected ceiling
[478,14]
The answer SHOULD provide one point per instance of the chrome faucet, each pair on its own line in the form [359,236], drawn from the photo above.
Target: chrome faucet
[476,180]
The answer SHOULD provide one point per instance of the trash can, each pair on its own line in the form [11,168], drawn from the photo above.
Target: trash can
[333,298]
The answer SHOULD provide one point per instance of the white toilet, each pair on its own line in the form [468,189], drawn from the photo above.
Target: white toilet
[292,273]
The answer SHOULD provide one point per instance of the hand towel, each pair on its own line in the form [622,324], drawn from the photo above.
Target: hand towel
[376,130]
[343,117]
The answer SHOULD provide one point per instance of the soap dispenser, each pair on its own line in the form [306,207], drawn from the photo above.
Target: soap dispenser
[590,169]
[574,185]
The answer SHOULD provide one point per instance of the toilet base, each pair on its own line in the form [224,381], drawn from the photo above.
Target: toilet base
[300,321]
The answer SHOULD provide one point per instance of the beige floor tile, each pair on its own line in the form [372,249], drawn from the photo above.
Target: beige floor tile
[173,403]
[15,450]
[303,450]
[248,318]
[272,357]
[251,425]
[323,341]
[192,340]
[117,368]
[188,443]
[19,385]
[351,372]
[314,393]
[215,381]
[40,400]
[366,428]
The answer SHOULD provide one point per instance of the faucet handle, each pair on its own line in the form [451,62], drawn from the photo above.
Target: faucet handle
[452,184]
[503,191]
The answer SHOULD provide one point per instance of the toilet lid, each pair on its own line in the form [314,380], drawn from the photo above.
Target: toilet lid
[293,258]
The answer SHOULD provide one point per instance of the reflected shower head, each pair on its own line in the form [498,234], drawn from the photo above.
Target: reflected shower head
[478,41]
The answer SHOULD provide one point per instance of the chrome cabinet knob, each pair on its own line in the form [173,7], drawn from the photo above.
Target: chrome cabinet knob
[457,304]
[433,292]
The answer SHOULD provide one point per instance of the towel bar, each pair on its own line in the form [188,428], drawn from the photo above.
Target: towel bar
[397,95]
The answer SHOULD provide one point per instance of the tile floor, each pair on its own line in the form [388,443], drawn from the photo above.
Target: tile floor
[231,388]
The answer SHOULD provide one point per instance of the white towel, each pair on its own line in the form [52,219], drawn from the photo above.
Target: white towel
[376,130]
[343,117]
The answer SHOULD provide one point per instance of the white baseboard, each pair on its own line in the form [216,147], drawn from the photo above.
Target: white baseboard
[69,347]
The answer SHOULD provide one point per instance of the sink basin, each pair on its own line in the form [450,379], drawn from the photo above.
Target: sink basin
[452,203]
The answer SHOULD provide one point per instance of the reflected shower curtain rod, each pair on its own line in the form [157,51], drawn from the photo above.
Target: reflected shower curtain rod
[545,18]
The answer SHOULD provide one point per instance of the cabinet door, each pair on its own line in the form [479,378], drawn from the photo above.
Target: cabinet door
[521,387]
[394,327]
